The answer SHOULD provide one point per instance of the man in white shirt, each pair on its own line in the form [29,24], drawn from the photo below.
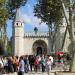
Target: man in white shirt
[50,57]
[48,65]
[21,66]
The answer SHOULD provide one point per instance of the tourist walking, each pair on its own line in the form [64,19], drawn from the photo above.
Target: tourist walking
[1,66]
[10,65]
[26,61]
[43,64]
[21,66]
[48,65]
[14,61]
[5,63]
[36,64]
[31,62]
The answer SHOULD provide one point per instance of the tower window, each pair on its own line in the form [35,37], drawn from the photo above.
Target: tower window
[74,25]
[17,24]
[21,24]
[74,33]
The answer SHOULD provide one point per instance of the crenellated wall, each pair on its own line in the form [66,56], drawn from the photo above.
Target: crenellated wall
[30,39]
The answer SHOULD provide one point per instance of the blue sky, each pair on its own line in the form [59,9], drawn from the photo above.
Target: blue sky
[29,19]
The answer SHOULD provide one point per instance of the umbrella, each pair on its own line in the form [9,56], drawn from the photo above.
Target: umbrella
[59,52]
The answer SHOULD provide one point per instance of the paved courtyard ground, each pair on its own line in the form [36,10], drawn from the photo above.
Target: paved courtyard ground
[40,73]
[32,74]
[55,71]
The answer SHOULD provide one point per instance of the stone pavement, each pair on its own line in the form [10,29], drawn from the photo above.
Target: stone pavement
[45,73]
[55,71]
[38,73]
[64,73]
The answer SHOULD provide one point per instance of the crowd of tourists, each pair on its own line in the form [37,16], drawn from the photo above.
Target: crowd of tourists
[25,64]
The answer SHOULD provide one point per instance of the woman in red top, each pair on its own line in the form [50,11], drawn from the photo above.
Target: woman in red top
[36,64]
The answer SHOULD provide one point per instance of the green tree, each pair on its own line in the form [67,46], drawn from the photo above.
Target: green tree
[3,18]
[48,11]
[9,48]
[70,29]
[8,10]
[13,5]
[1,47]
[3,12]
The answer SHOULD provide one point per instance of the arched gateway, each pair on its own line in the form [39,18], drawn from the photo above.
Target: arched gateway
[39,47]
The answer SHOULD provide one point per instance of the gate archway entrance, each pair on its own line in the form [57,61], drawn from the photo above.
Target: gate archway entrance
[39,50]
[39,47]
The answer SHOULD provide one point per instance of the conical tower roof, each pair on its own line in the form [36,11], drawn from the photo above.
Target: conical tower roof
[18,17]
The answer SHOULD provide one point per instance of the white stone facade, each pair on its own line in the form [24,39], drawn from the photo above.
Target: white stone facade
[23,42]
[27,43]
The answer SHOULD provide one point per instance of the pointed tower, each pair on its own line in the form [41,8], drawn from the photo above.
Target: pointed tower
[18,34]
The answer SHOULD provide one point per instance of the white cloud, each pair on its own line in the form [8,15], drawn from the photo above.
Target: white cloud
[26,18]
[29,6]
[29,18]
[34,21]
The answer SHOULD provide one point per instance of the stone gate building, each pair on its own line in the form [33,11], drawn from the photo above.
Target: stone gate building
[30,43]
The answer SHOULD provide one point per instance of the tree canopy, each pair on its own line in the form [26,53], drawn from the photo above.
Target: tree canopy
[48,10]
[3,12]
[8,9]
[13,5]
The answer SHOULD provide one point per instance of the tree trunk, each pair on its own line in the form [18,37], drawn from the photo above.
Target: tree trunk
[72,65]
[54,35]
[49,36]
[63,41]
[5,40]
[70,30]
